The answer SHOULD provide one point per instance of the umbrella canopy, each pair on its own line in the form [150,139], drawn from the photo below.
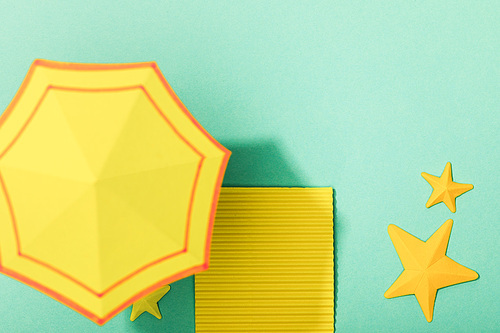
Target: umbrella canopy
[108,185]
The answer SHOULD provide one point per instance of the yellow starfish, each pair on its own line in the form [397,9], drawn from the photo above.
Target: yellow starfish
[445,189]
[149,304]
[426,267]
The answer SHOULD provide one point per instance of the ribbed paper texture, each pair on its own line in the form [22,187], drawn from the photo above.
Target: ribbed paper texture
[271,263]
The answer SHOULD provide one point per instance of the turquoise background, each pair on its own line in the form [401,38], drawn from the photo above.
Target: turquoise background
[359,95]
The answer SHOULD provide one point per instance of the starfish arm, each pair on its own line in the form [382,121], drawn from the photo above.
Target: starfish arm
[405,284]
[453,191]
[437,244]
[435,198]
[446,175]
[426,295]
[449,201]
[446,272]
[137,310]
[154,309]
[432,180]
[158,294]
[407,246]
[438,190]
[457,189]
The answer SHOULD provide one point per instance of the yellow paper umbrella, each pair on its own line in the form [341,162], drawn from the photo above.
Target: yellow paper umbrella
[108,185]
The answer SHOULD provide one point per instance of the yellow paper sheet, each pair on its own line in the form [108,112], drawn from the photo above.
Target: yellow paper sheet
[271,263]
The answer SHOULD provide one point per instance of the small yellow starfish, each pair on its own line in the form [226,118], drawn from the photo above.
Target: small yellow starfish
[149,304]
[445,189]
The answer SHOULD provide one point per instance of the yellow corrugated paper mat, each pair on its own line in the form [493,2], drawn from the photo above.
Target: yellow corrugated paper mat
[271,263]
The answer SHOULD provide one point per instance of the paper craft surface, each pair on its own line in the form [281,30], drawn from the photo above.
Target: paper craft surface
[149,304]
[426,267]
[108,185]
[271,263]
[445,189]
